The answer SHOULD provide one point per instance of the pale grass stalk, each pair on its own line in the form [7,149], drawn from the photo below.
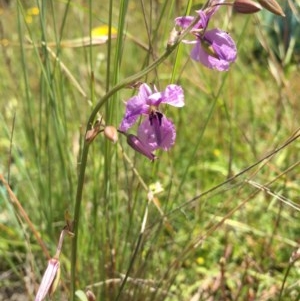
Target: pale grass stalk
[21,211]
[281,198]
[295,136]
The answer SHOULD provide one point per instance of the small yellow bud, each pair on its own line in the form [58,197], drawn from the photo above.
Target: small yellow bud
[111,133]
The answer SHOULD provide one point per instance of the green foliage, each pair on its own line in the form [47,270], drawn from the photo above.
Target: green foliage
[226,223]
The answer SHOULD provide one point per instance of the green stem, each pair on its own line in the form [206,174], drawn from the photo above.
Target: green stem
[81,176]
[125,82]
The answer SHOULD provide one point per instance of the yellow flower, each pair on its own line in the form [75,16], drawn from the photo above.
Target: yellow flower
[30,12]
[103,30]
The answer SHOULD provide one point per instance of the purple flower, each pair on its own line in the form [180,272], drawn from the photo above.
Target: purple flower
[214,48]
[138,146]
[156,131]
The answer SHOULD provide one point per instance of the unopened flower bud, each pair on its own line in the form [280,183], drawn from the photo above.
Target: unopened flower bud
[138,146]
[272,6]
[111,133]
[90,295]
[50,280]
[246,6]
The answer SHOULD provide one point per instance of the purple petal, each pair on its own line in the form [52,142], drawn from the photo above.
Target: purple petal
[184,22]
[157,136]
[173,95]
[213,7]
[200,55]
[205,16]
[204,19]
[155,99]
[223,46]
[144,91]
[131,115]
[136,106]
[138,146]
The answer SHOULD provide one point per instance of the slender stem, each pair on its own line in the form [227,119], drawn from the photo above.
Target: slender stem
[78,199]
[125,82]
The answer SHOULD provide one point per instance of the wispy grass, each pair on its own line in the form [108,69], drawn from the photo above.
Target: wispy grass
[225,224]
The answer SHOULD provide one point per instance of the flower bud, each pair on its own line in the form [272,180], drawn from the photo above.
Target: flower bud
[50,280]
[90,295]
[246,6]
[111,133]
[272,6]
[138,146]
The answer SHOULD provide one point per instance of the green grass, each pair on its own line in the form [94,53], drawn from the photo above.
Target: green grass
[226,223]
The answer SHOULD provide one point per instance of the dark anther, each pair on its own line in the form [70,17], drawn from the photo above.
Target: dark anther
[155,114]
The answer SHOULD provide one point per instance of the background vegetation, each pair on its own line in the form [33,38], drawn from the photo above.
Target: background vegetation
[226,224]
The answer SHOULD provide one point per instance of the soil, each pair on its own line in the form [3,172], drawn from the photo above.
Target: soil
[12,294]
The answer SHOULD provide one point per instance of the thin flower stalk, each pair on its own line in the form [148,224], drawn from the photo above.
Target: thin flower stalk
[85,150]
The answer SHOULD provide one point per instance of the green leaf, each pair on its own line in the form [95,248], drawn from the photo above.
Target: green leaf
[81,295]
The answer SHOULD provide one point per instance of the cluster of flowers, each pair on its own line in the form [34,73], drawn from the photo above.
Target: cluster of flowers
[213,48]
